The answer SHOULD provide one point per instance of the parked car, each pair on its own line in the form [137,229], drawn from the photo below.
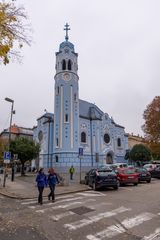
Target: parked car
[119,165]
[149,166]
[144,175]
[103,177]
[86,178]
[155,173]
[127,175]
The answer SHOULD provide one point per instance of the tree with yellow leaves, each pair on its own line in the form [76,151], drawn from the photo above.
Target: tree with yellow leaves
[151,126]
[13,33]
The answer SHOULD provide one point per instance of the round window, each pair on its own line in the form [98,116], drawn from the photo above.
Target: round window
[40,135]
[106,138]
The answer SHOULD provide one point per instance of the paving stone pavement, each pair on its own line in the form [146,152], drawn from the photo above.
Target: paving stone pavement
[25,187]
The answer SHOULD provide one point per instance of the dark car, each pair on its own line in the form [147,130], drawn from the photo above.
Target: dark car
[144,175]
[127,176]
[155,173]
[86,178]
[103,177]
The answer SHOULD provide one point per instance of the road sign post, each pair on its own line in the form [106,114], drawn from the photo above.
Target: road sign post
[80,158]
[7,158]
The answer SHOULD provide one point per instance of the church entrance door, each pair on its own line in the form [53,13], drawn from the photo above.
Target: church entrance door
[109,158]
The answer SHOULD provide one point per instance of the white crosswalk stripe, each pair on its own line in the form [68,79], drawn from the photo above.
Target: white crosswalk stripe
[65,205]
[61,215]
[153,236]
[91,194]
[96,218]
[126,224]
[34,201]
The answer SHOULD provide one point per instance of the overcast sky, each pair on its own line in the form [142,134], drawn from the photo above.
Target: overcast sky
[118,42]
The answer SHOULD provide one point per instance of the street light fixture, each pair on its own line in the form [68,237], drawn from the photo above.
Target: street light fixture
[9,142]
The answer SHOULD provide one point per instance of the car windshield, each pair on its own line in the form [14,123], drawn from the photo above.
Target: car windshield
[141,170]
[128,171]
[103,172]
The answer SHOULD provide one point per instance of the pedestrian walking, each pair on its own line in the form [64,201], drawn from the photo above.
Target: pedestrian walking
[41,180]
[52,181]
[71,171]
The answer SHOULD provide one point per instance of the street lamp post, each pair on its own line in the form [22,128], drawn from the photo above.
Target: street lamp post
[49,121]
[9,140]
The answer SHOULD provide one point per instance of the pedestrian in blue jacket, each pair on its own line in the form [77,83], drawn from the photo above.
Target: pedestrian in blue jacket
[41,180]
[52,181]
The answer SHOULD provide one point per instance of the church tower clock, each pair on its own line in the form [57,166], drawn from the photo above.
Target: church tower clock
[66,100]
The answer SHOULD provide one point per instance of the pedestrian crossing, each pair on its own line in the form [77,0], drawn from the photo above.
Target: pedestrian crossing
[116,220]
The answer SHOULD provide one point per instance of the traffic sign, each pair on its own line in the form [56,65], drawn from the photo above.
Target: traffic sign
[80,152]
[7,157]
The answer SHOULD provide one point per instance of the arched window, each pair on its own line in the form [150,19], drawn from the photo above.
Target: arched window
[83,137]
[57,142]
[56,158]
[63,65]
[119,142]
[69,65]
[106,138]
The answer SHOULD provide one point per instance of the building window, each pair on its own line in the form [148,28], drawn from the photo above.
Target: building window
[75,97]
[119,142]
[69,65]
[83,137]
[57,142]
[56,158]
[106,138]
[63,65]
[40,135]
[66,118]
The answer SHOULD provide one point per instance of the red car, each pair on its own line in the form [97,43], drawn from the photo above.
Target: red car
[127,175]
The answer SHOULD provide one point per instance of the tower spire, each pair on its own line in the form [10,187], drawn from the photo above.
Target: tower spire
[66,29]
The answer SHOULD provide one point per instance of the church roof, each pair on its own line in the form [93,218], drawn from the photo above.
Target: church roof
[66,44]
[89,110]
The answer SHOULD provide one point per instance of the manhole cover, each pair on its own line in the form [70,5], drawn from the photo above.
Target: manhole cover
[81,210]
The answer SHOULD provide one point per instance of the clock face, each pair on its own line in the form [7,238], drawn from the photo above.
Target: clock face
[66,76]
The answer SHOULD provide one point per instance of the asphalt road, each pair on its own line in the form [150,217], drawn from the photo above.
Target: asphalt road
[132,213]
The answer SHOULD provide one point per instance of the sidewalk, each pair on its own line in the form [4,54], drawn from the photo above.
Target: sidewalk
[25,187]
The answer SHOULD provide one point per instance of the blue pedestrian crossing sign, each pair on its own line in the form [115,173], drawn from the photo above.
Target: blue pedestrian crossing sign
[7,157]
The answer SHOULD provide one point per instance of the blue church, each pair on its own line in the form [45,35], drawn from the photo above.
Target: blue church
[78,132]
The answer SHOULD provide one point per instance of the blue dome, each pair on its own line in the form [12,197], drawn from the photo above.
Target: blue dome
[66,44]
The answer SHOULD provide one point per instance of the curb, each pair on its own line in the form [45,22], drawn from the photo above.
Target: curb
[26,198]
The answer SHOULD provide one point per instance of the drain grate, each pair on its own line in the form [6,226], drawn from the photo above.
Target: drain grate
[81,210]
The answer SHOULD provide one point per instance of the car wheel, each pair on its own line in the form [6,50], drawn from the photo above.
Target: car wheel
[116,187]
[135,184]
[148,181]
[85,182]
[94,186]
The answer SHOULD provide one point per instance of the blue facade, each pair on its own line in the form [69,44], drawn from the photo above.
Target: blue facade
[76,123]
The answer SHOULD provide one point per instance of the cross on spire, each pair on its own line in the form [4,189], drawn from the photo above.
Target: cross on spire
[66,29]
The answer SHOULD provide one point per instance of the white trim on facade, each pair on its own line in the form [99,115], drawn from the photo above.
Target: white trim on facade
[71,116]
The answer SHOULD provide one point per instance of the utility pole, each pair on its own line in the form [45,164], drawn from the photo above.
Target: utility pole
[9,140]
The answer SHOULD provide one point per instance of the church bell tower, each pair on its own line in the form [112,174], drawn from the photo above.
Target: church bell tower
[66,103]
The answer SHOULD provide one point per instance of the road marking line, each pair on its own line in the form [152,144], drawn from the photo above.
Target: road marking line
[49,203]
[96,218]
[62,215]
[128,223]
[91,193]
[65,206]
[153,236]
[126,188]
